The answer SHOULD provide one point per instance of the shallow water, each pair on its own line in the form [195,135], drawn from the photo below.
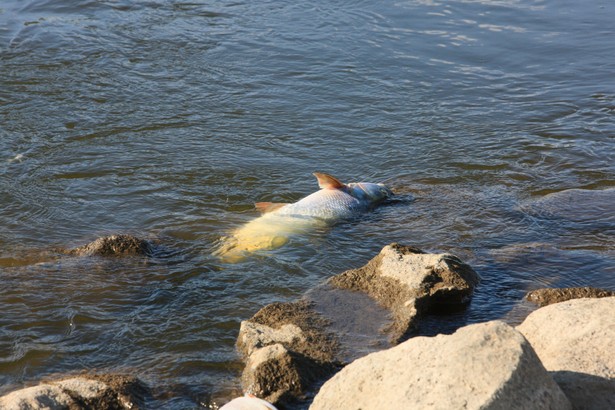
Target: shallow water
[168,119]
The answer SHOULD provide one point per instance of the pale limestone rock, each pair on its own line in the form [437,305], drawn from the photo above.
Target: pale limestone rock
[95,391]
[253,336]
[575,341]
[43,396]
[484,366]
[410,282]
[86,388]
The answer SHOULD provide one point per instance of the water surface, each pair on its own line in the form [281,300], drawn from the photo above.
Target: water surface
[494,121]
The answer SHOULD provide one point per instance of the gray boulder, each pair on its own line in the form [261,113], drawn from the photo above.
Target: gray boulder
[86,392]
[575,341]
[290,347]
[484,366]
[286,349]
[410,282]
[43,396]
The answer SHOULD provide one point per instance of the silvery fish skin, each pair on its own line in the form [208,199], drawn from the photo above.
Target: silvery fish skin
[334,202]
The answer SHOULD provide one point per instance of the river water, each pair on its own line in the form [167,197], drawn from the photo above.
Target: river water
[494,121]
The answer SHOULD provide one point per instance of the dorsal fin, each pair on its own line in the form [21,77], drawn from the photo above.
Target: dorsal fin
[326,181]
[266,207]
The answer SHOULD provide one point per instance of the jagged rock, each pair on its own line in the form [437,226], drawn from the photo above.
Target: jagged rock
[548,296]
[575,341]
[114,245]
[88,392]
[286,349]
[282,376]
[295,325]
[483,366]
[409,282]
[254,336]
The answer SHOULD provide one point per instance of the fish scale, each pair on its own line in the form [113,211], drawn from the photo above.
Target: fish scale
[327,204]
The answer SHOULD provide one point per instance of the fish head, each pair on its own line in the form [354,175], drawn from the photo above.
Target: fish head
[369,192]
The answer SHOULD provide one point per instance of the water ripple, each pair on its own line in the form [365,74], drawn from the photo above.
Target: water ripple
[492,120]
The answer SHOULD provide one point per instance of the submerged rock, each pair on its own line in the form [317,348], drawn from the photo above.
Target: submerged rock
[544,297]
[410,282]
[575,341]
[287,350]
[114,245]
[87,392]
[483,366]
[595,207]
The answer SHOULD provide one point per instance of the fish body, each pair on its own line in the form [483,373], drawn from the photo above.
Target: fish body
[335,201]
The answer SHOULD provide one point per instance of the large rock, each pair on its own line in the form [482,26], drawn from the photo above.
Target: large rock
[484,366]
[87,392]
[291,347]
[114,245]
[410,282]
[43,396]
[548,296]
[575,341]
[287,350]
[282,376]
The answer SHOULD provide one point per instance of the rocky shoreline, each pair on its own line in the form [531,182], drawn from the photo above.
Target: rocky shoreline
[560,357]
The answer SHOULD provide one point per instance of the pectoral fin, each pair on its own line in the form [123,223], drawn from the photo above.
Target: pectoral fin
[326,181]
[266,207]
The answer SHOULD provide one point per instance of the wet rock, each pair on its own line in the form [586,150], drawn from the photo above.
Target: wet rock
[289,347]
[286,350]
[544,297]
[282,376]
[518,256]
[484,366]
[113,392]
[296,325]
[575,341]
[114,245]
[410,282]
[254,336]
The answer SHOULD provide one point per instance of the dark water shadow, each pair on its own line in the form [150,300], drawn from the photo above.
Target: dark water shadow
[354,317]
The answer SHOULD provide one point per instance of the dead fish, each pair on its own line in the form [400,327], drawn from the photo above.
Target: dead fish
[335,201]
